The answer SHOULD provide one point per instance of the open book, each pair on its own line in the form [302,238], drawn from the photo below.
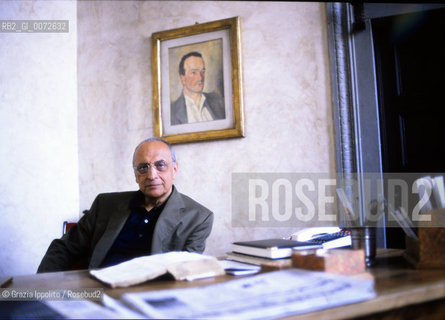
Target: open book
[181,265]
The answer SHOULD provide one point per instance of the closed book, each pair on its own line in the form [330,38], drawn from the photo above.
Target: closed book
[272,248]
[264,263]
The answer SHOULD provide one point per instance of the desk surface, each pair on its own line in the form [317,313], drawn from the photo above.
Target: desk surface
[396,283]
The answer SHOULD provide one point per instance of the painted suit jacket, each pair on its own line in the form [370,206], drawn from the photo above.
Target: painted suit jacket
[213,102]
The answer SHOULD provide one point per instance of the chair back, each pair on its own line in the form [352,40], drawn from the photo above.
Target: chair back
[66,226]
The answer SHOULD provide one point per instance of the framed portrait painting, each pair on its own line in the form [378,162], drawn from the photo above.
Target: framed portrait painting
[197,82]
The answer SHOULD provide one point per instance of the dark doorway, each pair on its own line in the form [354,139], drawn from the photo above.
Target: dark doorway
[410,67]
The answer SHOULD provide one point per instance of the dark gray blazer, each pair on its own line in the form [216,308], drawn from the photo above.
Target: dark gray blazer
[213,102]
[183,225]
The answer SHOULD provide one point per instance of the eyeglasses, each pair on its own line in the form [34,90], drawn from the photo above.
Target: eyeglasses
[144,168]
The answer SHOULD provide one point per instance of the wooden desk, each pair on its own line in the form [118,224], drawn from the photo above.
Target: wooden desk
[402,292]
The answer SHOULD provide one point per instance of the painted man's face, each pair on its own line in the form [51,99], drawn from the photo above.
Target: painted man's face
[193,79]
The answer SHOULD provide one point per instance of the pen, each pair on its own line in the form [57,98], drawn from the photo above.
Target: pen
[5,281]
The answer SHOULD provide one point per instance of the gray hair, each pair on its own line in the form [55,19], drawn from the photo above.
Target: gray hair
[152,139]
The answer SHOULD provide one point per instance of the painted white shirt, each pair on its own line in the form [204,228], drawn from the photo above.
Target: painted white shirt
[197,113]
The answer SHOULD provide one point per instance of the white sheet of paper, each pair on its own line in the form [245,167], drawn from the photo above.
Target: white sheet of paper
[236,268]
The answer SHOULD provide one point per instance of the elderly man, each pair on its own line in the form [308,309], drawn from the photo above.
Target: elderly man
[195,105]
[124,225]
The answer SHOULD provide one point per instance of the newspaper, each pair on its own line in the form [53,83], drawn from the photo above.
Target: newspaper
[264,296]
[77,309]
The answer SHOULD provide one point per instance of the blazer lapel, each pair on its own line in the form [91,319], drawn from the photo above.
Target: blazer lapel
[167,223]
[209,108]
[115,225]
[180,112]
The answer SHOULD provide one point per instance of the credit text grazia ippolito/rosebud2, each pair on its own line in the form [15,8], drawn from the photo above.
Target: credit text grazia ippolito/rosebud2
[25,294]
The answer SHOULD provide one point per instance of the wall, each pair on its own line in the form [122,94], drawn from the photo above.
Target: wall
[286,96]
[73,106]
[39,185]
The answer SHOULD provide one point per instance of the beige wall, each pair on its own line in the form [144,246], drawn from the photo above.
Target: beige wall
[39,186]
[288,111]
[74,105]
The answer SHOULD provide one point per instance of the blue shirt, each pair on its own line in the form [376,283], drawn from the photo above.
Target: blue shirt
[136,236]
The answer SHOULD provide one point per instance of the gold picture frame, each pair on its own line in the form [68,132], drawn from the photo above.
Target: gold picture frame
[219,46]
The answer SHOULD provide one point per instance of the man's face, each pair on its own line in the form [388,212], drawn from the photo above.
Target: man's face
[156,184]
[193,79]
